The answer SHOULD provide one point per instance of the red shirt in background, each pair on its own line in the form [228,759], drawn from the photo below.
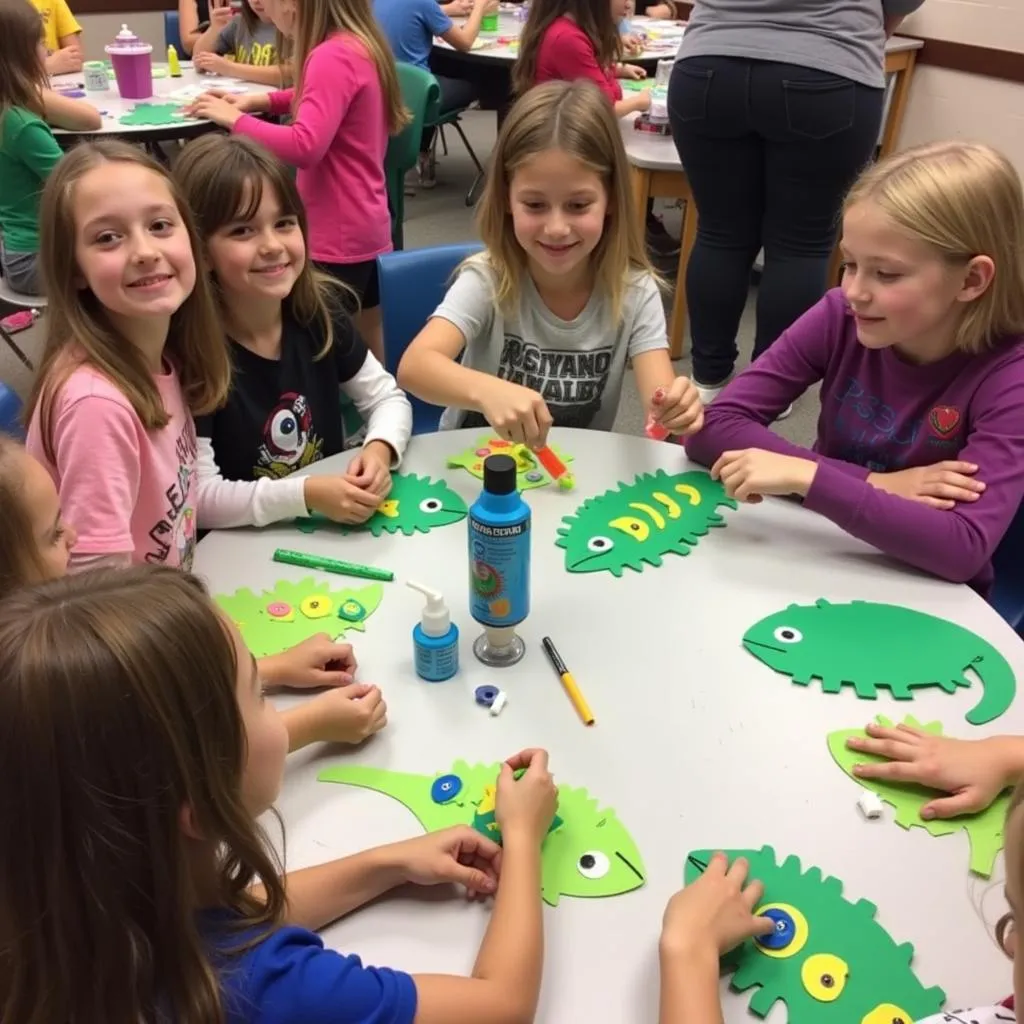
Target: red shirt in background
[566,53]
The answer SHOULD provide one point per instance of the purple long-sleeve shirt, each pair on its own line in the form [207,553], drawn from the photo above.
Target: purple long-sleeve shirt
[880,414]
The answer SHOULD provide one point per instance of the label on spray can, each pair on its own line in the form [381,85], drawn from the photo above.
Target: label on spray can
[499,572]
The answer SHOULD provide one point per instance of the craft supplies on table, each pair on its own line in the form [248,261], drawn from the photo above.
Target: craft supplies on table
[366,572]
[571,689]
[435,638]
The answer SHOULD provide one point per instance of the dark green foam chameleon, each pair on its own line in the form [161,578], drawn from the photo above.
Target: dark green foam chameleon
[634,523]
[871,646]
[828,960]
[587,852]
[414,503]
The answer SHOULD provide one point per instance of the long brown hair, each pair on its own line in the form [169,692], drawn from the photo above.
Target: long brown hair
[20,560]
[223,178]
[110,726]
[79,329]
[594,17]
[576,118]
[317,20]
[22,74]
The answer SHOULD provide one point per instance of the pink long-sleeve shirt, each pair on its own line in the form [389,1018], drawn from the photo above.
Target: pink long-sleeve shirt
[882,414]
[337,139]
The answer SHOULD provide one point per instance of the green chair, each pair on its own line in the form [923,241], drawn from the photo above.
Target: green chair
[421,95]
[453,118]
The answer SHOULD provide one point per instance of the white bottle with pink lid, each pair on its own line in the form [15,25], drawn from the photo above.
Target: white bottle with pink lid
[133,65]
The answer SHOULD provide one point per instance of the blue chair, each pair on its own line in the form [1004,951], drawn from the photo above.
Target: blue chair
[172,33]
[1008,563]
[412,284]
[10,412]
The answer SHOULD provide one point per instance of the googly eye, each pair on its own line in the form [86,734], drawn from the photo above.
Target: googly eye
[430,505]
[824,976]
[791,931]
[599,545]
[593,864]
[887,1013]
[284,431]
[316,607]
[788,635]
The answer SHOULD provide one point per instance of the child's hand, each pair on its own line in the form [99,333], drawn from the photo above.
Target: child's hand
[65,61]
[678,408]
[526,806]
[220,13]
[516,413]
[751,473]
[218,109]
[631,43]
[317,661]
[458,855]
[211,63]
[348,714]
[339,499]
[633,71]
[973,772]
[715,912]
[941,485]
[370,470]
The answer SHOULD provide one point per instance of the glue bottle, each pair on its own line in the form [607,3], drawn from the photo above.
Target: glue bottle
[435,641]
[173,64]
[499,563]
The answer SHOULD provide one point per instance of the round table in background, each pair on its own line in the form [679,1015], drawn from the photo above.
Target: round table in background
[696,744]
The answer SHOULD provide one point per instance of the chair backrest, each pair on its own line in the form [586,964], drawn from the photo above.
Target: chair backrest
[1008,565]
[10,412]
[172,33]
[412,285]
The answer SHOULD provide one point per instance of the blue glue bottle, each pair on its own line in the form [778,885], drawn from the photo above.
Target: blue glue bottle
[499,563]
[435,641]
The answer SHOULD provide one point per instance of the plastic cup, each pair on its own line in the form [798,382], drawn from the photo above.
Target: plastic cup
[489,23]
[132,61]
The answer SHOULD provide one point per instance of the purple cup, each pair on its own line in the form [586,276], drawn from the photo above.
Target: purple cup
[132,60]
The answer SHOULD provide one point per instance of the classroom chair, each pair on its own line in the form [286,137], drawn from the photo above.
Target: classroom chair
[19,301]
[1008,563]
[421,95]
[10,412]
[412,285]
[454,119]
[172,33]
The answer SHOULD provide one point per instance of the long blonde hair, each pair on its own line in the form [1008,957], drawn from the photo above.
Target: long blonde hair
[20,559]
[223,178]
[319,19]
[576,118]
[77,323]
[118,712]
[964,199]
[22,73]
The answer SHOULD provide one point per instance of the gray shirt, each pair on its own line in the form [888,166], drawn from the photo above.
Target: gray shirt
[576,365]
[844,37]
[258,48]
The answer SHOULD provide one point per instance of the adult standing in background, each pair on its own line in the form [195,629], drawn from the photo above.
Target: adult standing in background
[775,107]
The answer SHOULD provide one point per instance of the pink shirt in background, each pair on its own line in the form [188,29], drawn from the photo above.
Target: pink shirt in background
[338,140]
[125,489]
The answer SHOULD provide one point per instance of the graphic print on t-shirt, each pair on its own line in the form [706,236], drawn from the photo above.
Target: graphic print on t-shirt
[177,529]
[570,382]
[289,441]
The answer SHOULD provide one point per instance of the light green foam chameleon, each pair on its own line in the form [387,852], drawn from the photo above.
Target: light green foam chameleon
[634,523]
[828,960]
[529,471]
[274,620]
[415,503]
[984,829]
[588,851]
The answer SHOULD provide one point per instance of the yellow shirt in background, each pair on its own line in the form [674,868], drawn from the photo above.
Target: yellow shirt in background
[58,22]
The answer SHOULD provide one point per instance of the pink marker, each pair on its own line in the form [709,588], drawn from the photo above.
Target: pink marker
[652,428]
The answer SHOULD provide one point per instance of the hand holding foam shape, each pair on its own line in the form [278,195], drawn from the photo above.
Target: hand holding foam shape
[984,829]
[828,960]
[655,515]
[871,646]
[588,851]
[530,472]
[274,620]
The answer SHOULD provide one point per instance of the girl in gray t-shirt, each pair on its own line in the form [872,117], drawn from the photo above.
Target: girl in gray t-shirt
[240,43]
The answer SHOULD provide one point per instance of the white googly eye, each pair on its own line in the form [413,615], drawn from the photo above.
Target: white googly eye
[284,431]
[430,505]
[599,545]
[788,635]
[593,864]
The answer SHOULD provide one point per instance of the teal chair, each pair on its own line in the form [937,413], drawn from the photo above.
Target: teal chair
[421,96]
[453,118]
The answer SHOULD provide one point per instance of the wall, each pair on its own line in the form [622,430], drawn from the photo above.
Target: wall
[99,29]
[951,104]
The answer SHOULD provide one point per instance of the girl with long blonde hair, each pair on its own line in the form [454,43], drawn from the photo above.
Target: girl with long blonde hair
[345,103]
[536,331]
[920,355]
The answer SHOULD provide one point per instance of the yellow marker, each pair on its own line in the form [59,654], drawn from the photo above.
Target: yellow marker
[578,702]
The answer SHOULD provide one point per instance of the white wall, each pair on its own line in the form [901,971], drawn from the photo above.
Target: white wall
[100,29]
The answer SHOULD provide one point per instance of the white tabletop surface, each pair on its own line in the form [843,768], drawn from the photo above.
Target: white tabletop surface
[696,744]
[165,90]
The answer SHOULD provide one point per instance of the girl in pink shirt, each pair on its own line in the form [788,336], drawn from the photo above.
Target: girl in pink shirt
[345,103]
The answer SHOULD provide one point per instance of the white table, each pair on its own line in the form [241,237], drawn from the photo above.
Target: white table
[112,106]
[696,744]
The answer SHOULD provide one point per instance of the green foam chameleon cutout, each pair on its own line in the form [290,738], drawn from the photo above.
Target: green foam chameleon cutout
[274,620]
[587,852]
[155,114]
[871,646]
[655,515]
[828,960]
[984,829]
[414,503]
[529,472]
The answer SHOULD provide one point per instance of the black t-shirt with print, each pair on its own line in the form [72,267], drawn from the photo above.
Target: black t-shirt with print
[283,414]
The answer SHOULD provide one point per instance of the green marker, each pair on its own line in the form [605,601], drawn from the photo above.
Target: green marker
[366,572]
